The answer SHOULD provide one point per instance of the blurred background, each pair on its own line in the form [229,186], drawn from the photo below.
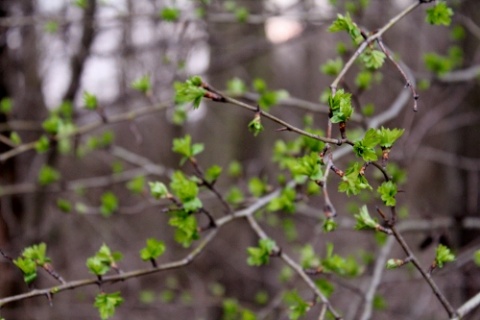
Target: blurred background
[52,51]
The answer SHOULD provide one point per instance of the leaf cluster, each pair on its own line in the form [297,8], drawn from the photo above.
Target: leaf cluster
[259,256]
[31,258]
[103,260]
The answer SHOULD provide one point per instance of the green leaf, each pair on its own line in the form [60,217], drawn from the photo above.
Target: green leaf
[234,196]
[389,136]
[285,202]
[189,91]
[394,263]
[364,80]
[440,14]
[142,84]
[186,228]
[184,147]
[329,225]
[388,191]
[297,306]
[184,189]
[443,255]
[309,165]
[372,59]
[241,14]
[90,101]
[107,303]
[212,173]
[325,286]
[64,205]
[345,23]
[258,256]
[339,265]
[109,204]
[28,267]
[158,189]
[364,220]
[365,148]
[257,187]
[332,67]
[42,145]
[152,250]
[235,169]
[48,175]
[255,126]
[236,87]
[308,258]
[353,181]
[341,106]
[170,14]
[15,138]
[103,260]
[476,258]
[438,64]
[6,105]
[136,185]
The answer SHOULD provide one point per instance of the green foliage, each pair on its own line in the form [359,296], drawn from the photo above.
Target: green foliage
[285,202]
[268,98]
[255,126]
[241,14]
[6,105]
[364,80]
[235,169]
[186,190]
[212,173]
[329,225]
[354,181]
[309,165]
[142,84]
[64,205]
[441,65]
[107,303]
[82,4]
[259,256]
[15,138]
[32,257]
[341,106]
[476,258]
[440,14]
[372,59]
[339,265]
[345,23]
[234,196]
[103,260]
[42,145]
[365,148]
[189,91]
[388,191]
[51,26]
[257,187]
[443,255]
[332,67]
[48,175]
[297,306]
[152,250]
[308,258]
[90,101]
[170,14]
[394,263]
[158,190]
[232,310]
[108,204]
[236,87]
[389,136]
[186,230]
[136,185]
[184,147]
[364,220]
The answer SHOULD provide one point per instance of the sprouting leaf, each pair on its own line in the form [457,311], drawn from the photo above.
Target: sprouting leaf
[136,184]
[170,14]
[189,91]
[353,181]
[212,173]
[309,165]
[389,136]
[388,191]
[440,14]
[286,201]
[255,126]
[90,101]
[107,303]
[345,23]
[142,84]
[341,106]
[186,228]
[257,187]
[332,67]
[372,59]
[443,255]
[258,256]
[365,148]
[364,220]
[48,175]
[109,204]
[158,189]
[236,87]
[234,196]
[298,307]
[152,250]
